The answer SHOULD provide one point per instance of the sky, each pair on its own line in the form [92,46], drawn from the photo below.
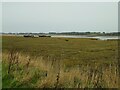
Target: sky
[59,0]
[59,16]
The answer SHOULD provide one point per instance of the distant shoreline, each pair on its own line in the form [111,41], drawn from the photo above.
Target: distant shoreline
[108,37]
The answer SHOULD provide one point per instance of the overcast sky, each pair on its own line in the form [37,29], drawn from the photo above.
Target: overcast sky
[60,16]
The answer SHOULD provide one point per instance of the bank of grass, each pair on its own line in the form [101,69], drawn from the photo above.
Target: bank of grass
[59,63]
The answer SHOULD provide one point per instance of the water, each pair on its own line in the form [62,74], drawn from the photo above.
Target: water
[84,36]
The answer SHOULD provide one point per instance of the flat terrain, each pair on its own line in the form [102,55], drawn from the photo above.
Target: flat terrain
[70,49]
[60,58]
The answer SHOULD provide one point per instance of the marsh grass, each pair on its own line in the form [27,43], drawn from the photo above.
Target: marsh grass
[39,74]
[55,63]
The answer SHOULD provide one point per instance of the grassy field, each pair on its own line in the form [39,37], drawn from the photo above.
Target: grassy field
[59,62]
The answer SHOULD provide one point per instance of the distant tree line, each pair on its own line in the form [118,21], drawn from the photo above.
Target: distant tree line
[86,33]
[71,33]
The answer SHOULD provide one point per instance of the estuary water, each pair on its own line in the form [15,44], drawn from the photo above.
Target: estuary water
[84,36]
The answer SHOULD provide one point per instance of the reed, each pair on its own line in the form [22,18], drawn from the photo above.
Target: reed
[57,63]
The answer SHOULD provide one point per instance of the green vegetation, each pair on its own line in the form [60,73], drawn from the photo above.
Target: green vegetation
[59,62]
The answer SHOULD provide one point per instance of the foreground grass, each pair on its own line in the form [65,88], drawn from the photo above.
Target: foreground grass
[59,63]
